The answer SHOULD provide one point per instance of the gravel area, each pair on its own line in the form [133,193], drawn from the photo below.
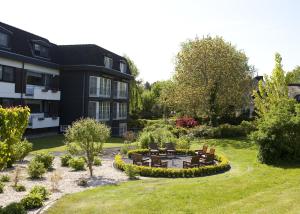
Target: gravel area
[105,174]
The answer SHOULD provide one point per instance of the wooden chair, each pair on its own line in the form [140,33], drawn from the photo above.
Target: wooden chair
[202,151]
[156,162]
[153,149]
[195,162]
[170,149]
[208,160]
[137,159]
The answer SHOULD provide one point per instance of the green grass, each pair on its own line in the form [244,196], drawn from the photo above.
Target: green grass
[56,143]
[249,187]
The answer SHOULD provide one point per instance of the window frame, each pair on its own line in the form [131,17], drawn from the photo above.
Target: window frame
[13,72]
[123,69]
[108,62]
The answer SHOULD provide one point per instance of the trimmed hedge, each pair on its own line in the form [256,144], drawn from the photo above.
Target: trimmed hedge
[174,172]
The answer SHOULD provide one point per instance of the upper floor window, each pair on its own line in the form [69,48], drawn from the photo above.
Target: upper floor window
[7,74]
[123,67]
[120,89]
[119,111]
[34,78]
[4,40]
[40,50]
[99,87]
[108,62]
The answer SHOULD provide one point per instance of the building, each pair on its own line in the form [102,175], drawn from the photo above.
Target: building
[62,83]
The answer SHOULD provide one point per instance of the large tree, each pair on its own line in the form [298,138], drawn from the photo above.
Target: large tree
[211,76]
[293,76]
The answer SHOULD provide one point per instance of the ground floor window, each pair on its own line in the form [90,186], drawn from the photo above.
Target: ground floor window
[99,110]
[122,129]
[120,110]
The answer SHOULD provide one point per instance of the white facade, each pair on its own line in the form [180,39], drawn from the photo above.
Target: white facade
[7,90]
[39,121]
[39,92]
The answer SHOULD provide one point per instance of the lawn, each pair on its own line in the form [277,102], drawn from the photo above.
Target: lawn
[56,143]
[249,187]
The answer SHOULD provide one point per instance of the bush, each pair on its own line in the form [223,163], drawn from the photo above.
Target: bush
[41,190]
[248,127]
[32,201]
[131,171]
[77,163]
[97,161]
[45,158]
[36,169]
[4,178]
[186,122]
[227,131]
[65,159]
[21,150]
[129,136]
[20,188]
[205,131]
[13,208]
[1,187]
[183,143]
[222,166]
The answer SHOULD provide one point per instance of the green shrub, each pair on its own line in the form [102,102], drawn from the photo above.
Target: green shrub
[45,158]
[65,159]
[131,171]
[97,161]
[1,187]
[248,127]
[124,149]
[205,131]
[5,178]
[21,150]
[77,163]
[20,188]
[40,190]
[13,208]
[32,201]
[183,143]
[222,166]
[36,169]
[227,131]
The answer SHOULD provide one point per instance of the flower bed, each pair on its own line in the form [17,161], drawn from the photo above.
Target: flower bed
[222,166]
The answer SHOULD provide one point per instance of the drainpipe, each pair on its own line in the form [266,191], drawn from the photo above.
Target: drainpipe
[83,95]
[22,84]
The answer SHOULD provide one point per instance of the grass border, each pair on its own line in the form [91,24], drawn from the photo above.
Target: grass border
[222,166]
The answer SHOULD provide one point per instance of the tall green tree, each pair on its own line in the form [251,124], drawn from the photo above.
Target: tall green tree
[211,75]
[293,76]
[135,89]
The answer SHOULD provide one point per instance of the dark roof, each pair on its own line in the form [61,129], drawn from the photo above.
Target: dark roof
[89,54]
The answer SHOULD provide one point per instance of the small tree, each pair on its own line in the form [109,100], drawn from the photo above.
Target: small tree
[87,136]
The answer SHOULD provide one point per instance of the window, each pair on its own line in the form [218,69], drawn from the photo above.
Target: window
[93,86]
[104,111]
[35,106]
[120,89]
[122,128]
[108,62]
[120,110]
[92,109]
[4,40]
[34,78]
[7,74]
[123,67]
[40,50]
[99,87]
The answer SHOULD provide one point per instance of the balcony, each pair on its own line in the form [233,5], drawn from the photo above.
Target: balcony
[40,92]
[39,120]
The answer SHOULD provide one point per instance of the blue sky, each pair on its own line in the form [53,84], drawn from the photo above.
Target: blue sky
[150,32]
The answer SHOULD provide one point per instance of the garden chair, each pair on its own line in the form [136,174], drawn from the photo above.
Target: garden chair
[195,162]
[208,160]
[137,159]
[153,149]
[170,149]
[201,151]
[211,152]
[156,162]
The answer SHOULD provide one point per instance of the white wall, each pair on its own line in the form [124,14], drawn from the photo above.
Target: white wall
[7,90]
[9,62]
[41,69]
[38,93]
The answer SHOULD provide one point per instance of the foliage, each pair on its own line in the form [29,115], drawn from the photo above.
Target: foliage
[186,122]
[13,122]
[41,190]
[16,176]
[183,143]
[222,166]
[1,187]
[131,171]
[36,169]
[97,161]
[129,136]
[4,178]
[32,201]
[124,149]
[211,75]
[65,159]
[77,163]
[13,208]
[55,178]
[45,158]
[278,126]
[293,76]
[88,136]
[21,150]
[20,188]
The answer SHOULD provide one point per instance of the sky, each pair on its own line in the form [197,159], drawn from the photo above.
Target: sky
[151,32]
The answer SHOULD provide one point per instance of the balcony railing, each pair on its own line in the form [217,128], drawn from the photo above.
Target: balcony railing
[41,92]
[39,120]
